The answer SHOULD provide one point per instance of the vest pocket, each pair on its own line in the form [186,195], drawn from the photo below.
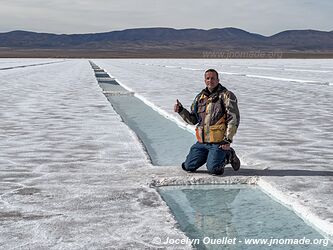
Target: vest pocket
[198,133]
[216,133]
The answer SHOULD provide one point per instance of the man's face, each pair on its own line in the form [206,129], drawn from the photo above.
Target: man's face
[211,80]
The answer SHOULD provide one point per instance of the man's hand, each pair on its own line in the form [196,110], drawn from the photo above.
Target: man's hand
[178,107]
[225,146]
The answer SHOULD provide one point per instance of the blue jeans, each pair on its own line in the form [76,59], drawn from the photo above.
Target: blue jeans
[201,153]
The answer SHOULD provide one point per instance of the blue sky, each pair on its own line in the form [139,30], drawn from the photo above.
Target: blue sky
[265,17]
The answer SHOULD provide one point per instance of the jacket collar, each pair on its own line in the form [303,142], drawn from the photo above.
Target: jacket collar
[218,88]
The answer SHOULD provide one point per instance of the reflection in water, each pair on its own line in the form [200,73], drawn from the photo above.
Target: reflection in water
[222,217]
[212,216]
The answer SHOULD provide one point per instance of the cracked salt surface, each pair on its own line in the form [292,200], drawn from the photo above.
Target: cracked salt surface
[73,176]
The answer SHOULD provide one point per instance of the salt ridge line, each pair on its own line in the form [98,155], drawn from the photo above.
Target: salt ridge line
[290,69]
[287,79]
[30,65]
[235,66]
[260,76]
[307,70]
[249,67]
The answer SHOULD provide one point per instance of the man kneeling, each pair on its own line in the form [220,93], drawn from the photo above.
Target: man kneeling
[215,111]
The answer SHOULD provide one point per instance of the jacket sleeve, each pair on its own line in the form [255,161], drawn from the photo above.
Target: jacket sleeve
[233,117]
[190,117]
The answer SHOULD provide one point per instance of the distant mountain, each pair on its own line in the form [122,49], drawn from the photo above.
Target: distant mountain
[303,40]
[168,40]
[157,35]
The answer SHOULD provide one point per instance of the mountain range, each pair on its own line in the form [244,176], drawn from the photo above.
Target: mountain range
[164,42]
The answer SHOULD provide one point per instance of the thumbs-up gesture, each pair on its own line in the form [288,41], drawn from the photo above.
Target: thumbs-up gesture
[178,107]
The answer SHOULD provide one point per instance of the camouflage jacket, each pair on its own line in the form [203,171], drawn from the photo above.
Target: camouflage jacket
[216,115]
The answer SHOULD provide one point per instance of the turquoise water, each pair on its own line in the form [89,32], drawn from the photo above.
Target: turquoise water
[236,214]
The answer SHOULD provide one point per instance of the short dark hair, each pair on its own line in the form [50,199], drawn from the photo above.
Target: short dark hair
[214,71]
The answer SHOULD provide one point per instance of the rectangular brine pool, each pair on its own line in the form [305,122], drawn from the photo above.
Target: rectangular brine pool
[237,217]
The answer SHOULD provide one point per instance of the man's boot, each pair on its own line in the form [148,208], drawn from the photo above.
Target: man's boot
[234,160]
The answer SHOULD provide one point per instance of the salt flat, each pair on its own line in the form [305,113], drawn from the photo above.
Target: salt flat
[286,132]
[73,176]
